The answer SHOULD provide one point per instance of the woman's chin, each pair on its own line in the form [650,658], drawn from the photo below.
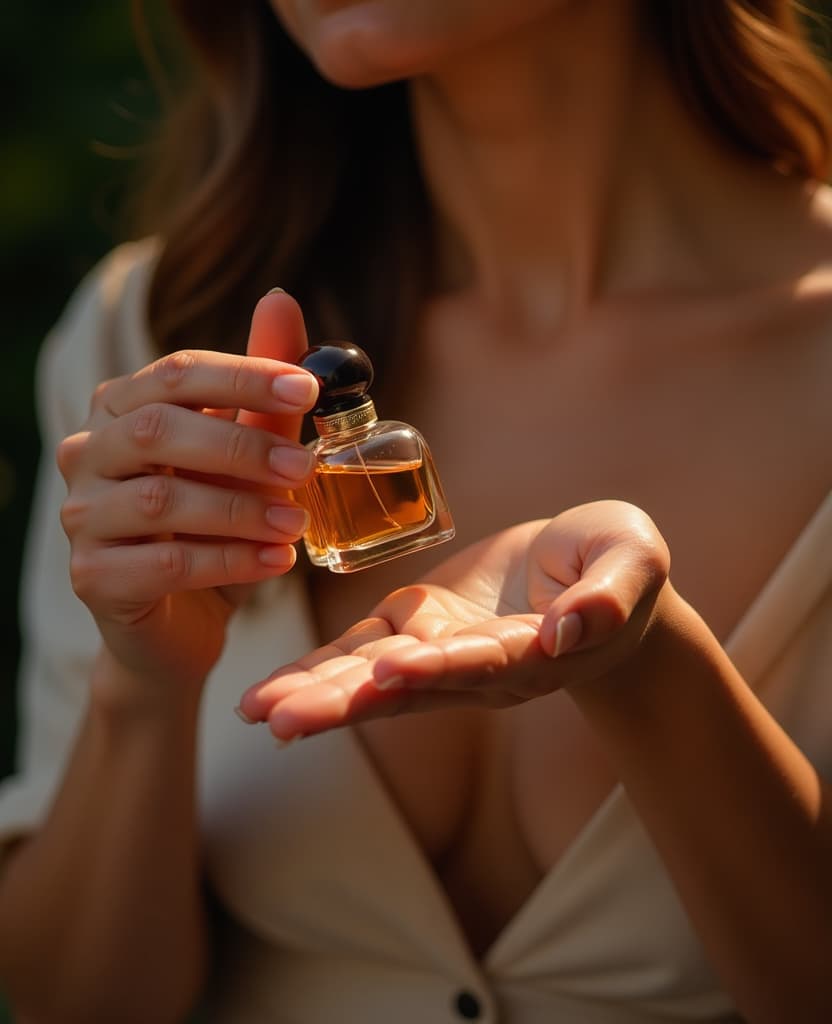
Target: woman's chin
[358,53]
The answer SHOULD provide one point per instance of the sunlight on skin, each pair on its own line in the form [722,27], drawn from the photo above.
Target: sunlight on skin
[428,642]
[483,629]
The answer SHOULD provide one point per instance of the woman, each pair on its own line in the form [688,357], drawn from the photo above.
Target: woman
[597,234]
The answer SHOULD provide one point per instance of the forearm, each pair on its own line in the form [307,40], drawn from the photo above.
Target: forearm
[739,816]
[107,892]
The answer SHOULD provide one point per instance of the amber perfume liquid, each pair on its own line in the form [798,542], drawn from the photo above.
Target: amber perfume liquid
[365,510]
[366,505]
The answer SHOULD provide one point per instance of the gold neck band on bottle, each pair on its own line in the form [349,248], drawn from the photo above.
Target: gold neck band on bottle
[341,421]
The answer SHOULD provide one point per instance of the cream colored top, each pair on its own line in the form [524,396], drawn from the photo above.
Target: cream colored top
[335,913]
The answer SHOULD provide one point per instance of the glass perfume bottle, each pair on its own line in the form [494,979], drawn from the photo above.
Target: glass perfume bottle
[375,494]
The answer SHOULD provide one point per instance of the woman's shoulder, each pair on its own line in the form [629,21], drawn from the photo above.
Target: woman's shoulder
[109,304]
[102,332]
[798,317]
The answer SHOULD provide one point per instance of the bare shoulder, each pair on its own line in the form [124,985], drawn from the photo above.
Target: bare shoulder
[806,354]
[794,317]
[804,323]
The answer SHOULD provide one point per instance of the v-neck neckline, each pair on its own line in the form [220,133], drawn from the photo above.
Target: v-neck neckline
[753,644]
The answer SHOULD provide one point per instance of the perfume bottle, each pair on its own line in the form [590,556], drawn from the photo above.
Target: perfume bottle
[375,494]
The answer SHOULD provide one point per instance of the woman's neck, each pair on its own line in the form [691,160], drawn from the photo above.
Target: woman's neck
[565,169]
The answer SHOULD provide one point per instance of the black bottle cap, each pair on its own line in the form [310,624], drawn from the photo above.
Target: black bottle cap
[344,374]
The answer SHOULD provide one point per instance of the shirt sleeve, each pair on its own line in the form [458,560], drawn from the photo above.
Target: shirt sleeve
[101,330]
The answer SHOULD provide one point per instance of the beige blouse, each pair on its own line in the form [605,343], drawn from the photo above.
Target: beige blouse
[334,913]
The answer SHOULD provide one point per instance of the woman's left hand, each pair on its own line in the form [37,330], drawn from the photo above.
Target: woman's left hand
[534,608]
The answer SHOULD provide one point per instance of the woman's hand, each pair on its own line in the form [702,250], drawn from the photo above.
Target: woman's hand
[537,607]
[178,491]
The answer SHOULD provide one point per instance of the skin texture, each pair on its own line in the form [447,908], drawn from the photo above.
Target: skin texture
[483,628]
[225,474]
[610,264]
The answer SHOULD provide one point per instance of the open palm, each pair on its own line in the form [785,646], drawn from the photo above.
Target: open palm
[483,627]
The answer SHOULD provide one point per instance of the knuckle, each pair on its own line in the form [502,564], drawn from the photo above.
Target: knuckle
[173,370]
[73,513]
[68,453]
[649,561]
[100,396]
[656,566]
[155,496]
[613,607]
[240,377]
[151,424]
[230,562]
[237,444]
[235,509]
[83,575]
[175,562]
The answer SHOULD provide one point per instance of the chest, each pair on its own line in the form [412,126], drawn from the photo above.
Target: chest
[704,446]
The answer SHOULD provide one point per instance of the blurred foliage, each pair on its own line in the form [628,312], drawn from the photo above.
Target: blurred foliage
[72,88]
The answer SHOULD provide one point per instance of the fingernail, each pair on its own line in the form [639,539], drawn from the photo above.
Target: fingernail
[300,389]
[272,291]
[390,683]
[292,463]
[238,711]
[282,744]
[277,556]
[291,521]
[567,633]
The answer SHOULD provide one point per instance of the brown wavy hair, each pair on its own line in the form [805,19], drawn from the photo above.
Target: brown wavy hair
[264,174]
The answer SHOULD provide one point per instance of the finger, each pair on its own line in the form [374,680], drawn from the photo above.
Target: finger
[145,573]
[473,657]
[167,435]
[220,414]
[326,664]
[455,672]
[331,705]
[200,378]
[150,505]
[279,333]
[613,588]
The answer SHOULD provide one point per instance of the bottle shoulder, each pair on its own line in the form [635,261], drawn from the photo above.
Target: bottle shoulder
[389,440]
[389,435]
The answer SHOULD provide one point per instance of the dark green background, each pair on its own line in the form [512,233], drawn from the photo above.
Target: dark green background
[74,91]
[72,86]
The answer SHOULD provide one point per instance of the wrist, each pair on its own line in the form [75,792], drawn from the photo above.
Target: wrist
[675,650]
[118,692]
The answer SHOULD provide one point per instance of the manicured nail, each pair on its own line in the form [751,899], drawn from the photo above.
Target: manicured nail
[300,389]
[291,463]
[292,521]
[282,291]
[277,556]
[567,633]
[390,683]
[282,744]
[238,711]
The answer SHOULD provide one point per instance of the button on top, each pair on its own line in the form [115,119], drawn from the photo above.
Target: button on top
[467,1006]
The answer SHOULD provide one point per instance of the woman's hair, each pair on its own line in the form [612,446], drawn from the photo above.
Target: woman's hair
[747,69]
[264,174]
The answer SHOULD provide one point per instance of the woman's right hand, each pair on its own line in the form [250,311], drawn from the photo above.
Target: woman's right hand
[178,492]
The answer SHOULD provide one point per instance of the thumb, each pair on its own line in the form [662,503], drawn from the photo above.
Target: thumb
[278,332]
[618,573]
